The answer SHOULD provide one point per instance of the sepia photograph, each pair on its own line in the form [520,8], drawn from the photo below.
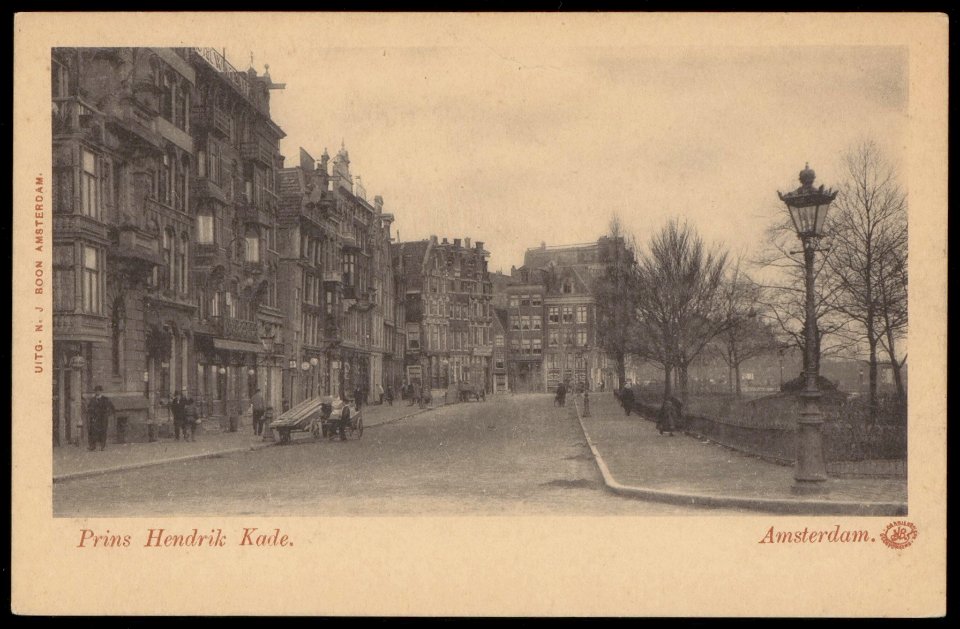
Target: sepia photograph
[424,276]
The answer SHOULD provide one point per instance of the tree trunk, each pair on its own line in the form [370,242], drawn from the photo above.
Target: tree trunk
[667,381]
[895,365]
[684,381]
[737,372]
[872,397]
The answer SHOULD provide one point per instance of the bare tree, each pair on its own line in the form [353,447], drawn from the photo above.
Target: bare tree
[868,263]
[678,300]
[745,336]
[615,294]
[783,293]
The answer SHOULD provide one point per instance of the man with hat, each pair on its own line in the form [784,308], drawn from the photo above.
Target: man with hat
[99,409]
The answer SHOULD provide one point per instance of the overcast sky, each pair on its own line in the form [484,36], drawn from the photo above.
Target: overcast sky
[516,145]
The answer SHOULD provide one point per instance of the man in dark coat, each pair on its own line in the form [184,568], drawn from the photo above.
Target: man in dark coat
[259,406]
[358,396]
[627,398]
[99,409]
[179,415]
[670,414]
[189,418]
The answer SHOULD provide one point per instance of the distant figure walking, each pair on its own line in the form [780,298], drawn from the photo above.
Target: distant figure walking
[189,419]
[670,413]
[358,396]
[561,398]
[259,407]
[99,409]
[627,398]
[415,393]
[380,393]
[176,410]
[390,395]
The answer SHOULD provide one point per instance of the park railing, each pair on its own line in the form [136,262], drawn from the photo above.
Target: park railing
[856,441]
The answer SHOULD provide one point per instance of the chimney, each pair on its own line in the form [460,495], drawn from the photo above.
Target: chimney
[466,243]
[378,203]
[479,245]
[456,242]
[445,241]
[433,240]
[543,244]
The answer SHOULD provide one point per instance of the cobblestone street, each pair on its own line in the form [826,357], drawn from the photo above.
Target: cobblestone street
[516,455]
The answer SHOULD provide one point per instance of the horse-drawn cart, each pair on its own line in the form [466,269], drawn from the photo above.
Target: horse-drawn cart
[323,417]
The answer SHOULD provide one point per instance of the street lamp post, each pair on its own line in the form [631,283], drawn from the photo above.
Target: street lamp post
[808,208]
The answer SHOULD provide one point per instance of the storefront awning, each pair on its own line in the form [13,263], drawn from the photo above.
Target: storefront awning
[237,346]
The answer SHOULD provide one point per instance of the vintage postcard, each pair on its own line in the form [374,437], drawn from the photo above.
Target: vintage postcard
[479,314]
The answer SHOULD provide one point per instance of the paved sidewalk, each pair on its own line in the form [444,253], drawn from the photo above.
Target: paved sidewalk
[637,461]
[71,462]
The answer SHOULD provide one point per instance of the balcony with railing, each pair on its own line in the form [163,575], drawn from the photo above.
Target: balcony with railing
[252,214]
[259,150]
[235,329]
[209,116]
[72,114]
[206,188]
[209,254]
[334,277]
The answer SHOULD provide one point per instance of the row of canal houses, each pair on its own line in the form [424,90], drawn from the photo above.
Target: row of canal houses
[186,256]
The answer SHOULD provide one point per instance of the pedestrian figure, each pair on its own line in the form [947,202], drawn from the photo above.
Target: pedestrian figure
[603,386]
[670,413]
[189,419]
[380,393]
[561,398]
[259,406]
[99,409]
[415,393]
[627,398]
[390,395]
[176,410]
[358,396]
[425,397]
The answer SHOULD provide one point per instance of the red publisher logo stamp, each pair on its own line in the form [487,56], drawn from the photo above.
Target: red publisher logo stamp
[899,534]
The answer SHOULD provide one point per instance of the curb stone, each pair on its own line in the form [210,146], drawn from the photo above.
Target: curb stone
[773,505]
[207,455]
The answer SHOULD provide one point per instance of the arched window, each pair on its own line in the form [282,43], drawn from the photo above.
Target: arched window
[252,250]
[216,299]
[232,296]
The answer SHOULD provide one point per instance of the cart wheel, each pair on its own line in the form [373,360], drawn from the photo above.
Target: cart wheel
[360,428]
